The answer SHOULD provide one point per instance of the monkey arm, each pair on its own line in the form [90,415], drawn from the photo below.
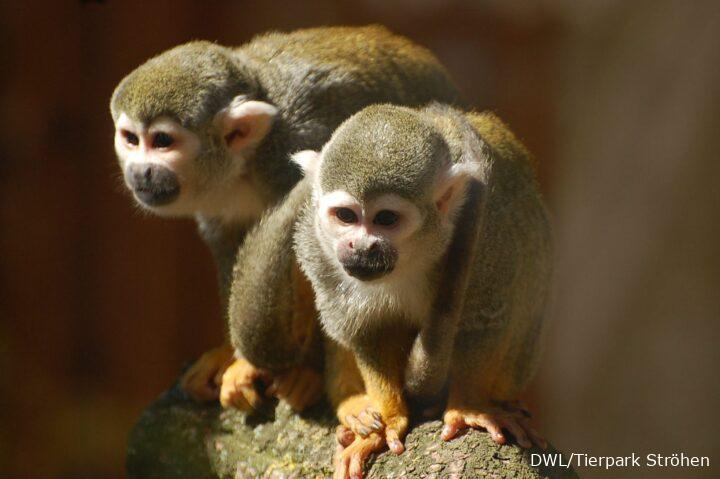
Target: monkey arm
[270,314]
[365,387]
[429,361]
[381,361]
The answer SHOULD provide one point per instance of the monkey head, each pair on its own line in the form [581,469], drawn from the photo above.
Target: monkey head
[186,128]
[385,193]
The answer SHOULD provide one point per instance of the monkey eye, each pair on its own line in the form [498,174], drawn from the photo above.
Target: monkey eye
[346,215]
[162,140]
[131,138]
[385,218]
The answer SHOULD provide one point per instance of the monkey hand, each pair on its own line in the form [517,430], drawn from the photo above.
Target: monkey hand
[362,418]
[202,381]
[238,386]
[494,417]
[300,387]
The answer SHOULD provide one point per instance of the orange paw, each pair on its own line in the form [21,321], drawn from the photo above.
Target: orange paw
[359,414]
[362,418]
[202,381]
[300,387]
[494,419]
[238,386]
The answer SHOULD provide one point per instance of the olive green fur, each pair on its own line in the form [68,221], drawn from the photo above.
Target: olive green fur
[366,161]
[262,295]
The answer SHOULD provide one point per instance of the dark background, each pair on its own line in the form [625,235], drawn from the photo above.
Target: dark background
[101,305]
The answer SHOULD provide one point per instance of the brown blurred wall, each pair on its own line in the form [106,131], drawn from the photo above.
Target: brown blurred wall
[101,305]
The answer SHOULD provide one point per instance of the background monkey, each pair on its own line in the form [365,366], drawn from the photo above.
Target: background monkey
[205,131]
[391,192]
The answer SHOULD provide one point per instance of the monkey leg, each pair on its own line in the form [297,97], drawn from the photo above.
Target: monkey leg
[483,393]
[203,380]
[355,410]
[238,389]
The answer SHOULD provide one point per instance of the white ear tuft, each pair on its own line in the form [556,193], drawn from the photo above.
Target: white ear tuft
[244,123]
[450,188]
[308,160]
[467,169]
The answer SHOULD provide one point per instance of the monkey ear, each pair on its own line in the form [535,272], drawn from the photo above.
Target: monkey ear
[308,160]
[244,123]
[450,188]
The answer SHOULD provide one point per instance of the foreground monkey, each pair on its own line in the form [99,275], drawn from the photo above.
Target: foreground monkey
[403,201]
[205,131]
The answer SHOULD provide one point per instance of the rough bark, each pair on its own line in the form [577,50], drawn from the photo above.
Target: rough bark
[176,438]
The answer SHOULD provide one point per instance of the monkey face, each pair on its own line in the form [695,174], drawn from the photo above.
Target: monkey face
[175,171]
[368,239]
[156,160]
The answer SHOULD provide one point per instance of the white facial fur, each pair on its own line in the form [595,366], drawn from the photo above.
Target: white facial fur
[404,289]
[364,230]
[234,198]
[404,292]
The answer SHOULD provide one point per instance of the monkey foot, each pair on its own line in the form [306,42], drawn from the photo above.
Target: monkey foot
[300,387]
[202,381]
[353,451]
[494,419]
[238,386]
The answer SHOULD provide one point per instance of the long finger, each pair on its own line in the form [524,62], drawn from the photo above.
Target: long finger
[394,442]
[360,450]
[519,433]
[370,421]
[341,466]
[493,427]
[453,425]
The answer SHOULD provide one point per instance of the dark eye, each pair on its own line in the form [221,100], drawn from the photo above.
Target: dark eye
[346,215]
[162,140]
[131,138]
[385,218]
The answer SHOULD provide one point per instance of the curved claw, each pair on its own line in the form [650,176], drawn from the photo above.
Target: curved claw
[360,416]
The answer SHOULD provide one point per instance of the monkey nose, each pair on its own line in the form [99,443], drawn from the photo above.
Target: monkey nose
[152,184]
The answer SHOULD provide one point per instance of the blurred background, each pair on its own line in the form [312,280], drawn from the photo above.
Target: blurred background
[101,305]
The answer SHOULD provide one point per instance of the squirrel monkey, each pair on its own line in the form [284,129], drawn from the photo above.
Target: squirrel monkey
[428,247]
[206,131]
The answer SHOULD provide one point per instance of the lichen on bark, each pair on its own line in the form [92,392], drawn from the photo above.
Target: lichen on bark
[176,438]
